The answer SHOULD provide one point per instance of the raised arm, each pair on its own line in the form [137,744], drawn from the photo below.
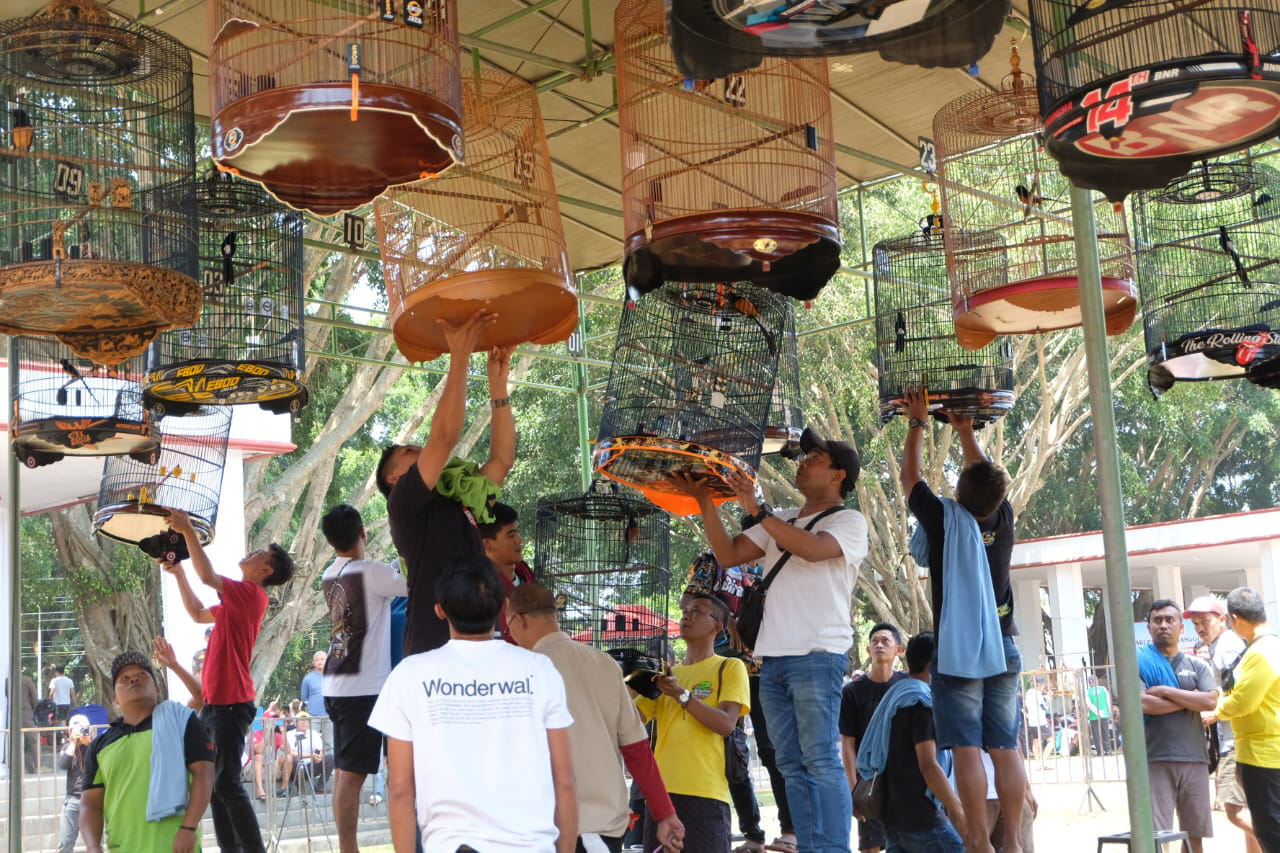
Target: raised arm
[502,426]
[164,653]
[451,410]
[729,550]
[916,402]
[566,789]
[195,608]
[963,426]
[181,523]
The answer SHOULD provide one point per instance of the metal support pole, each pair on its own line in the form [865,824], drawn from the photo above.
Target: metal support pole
[1118,584]
[15,629]
[580,396]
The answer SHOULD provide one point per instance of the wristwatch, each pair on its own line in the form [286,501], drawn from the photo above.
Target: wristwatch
[684,698]
[765,512]
[916,422]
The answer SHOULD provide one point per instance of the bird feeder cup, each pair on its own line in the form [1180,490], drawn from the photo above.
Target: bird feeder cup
[135,497]
[65,405]
[248,346]
[723,180]
[97,153]
[485,235]
[329,103]
[915,334]
[1209,274]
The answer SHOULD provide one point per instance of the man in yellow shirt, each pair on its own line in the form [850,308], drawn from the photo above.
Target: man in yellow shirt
[700,705]
[1252,705]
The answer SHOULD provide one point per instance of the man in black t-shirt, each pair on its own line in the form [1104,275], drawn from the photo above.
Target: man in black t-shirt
[429,528]
[972,714]
[858,701]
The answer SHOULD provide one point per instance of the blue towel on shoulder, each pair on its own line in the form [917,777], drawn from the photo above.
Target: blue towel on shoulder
[873,749]
[167,792]
[1154,668]
[970,644]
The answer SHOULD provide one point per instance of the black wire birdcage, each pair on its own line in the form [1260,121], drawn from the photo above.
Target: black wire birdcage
[65,405]
[605,556]
[694,367]
[1209,271]
[248,346]
[786,411]
[97,152]
[1133,93]
[135,497]
[916,339]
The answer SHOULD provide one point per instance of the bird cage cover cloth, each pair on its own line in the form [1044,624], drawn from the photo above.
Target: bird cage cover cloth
[485,235]
[65,405]
[1135,92]
[690,388]
[916,342]
[135,498]
[729,179]
[248,346]
[97,216]
[785,424]
[605,556]
[711,39]
[1027,280]
[329,103]
[1209,273]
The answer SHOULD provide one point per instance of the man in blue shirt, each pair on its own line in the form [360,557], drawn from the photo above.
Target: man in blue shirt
[311,692]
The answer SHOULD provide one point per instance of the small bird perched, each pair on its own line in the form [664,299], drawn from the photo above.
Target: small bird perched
[900,333]
[1030,198]
[1228,245]
[228,253]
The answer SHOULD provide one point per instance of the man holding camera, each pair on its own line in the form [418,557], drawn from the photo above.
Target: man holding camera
[71,759]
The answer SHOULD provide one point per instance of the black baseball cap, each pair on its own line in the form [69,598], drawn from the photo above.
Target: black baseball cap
[131,659]
[843,456]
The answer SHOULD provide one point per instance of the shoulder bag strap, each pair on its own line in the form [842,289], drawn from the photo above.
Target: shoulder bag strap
[719,684]
[786,555]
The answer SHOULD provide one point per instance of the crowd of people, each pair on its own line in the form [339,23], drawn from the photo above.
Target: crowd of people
[503,735]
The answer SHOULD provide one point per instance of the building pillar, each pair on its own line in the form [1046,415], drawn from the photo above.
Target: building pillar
[1106,615]
[1027,616]
[1268,578]
[1166,582]
[1067,617]
[1196,590]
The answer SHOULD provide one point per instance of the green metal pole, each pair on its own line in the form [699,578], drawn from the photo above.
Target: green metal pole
[580,396]
[1118,583]
[589,45]
[15,631]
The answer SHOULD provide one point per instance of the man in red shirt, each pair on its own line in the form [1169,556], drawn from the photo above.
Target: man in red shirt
[228,687]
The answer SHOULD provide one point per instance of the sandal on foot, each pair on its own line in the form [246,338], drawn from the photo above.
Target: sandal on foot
[782,845]
[749,846]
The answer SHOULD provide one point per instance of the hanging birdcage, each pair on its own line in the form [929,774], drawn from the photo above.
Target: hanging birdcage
[65,405]
[1209,274]
[916,339]
[694,367]
[731,179]
[486,235]
[135,497]
[97,152]
[994,176]
[1135,92]
[329,102]
[785,423]
[605,556]
[248,346]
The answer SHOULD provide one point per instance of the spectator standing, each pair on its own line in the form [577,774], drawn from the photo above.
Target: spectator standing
[1098,700]
[1178,688]
[28,698]
[806,633]
[311,691]
[1035,706]
[858,701]
[1252,705]
[504,546]
[62,691]
[359,593]
[71,760]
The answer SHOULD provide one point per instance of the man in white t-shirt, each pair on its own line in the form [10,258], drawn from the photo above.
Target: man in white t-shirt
[62,691]
[305,753]
[358,593]
[806,633]
[478,733]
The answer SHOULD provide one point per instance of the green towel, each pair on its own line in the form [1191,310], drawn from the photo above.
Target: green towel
[462,481]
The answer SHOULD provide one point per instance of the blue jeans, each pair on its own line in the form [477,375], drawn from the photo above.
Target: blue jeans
[801,699]
[941,839]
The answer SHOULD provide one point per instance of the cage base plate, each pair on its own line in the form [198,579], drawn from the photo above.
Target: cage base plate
[199,382]
[83,437]
[643,462]
[983,405]
[1038,305]
[132,522]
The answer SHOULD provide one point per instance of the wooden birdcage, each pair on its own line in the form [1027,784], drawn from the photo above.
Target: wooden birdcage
[785,424]
[1209,274]
[97,152]
[916,339]
[487,234]
[730,179]
[694,368]
[135,496]
[65,405]
[1027,280]
[711,39]
[605,556]
[329,102]
[1133,93]
[248,346]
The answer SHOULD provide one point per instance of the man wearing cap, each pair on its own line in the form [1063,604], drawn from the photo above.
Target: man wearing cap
[806,632]
[71,759]
[145,805]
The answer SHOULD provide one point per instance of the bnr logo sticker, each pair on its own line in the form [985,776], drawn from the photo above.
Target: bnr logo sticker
[1208,120]
[232,138]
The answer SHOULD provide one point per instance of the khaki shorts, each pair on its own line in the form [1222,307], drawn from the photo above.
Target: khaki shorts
[1229,792]
[1181,786]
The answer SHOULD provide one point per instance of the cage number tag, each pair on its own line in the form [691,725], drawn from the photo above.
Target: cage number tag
[388,10]
[69,179]
[212,283]
[413,13]
[928,155]
[523,164]
[717,399]
[353,231]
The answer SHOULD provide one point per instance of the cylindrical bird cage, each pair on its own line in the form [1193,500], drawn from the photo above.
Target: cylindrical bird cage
[487,234]
[248,346]
[915,334]
[605,555]
[97,152]
[694,368]
[1135,92]
[730,179]
[65,405]
[134,498]
[1027,280]
[329,103]
[785,423]
[1209,273]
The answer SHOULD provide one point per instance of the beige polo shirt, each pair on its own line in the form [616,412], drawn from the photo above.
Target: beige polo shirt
[604,719]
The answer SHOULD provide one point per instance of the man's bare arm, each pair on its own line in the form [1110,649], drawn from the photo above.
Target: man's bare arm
[451,410]
[194,607]
[400,795]
[91,818]
[566,790]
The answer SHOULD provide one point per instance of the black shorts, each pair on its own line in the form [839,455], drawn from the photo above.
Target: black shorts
[356,746]
[870,834]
